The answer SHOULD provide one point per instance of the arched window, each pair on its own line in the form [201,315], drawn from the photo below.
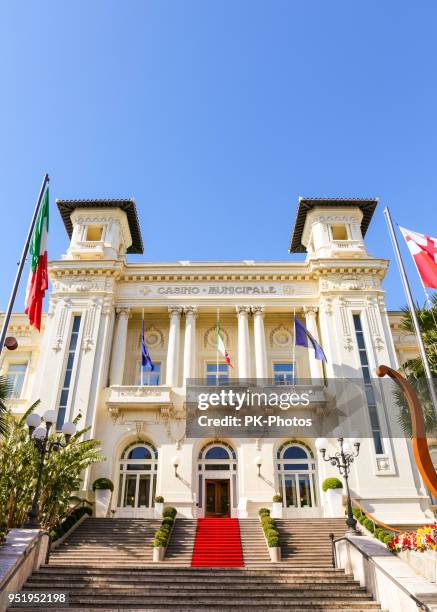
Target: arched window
[217,456]
[137,483]
[296,470]
[217,479]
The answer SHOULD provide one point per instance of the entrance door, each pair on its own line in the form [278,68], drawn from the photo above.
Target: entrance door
[217,497]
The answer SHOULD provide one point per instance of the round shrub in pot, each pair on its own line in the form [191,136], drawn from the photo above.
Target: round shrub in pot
[333,488]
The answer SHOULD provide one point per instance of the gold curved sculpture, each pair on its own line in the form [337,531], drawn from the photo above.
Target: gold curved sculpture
[420,444]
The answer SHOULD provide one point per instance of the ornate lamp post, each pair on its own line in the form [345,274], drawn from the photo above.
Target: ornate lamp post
[343,460]
[39,434]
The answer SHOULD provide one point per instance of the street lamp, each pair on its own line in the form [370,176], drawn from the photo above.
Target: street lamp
[343,460]
[39,430]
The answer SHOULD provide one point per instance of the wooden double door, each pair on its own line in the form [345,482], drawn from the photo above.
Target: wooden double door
[218,497]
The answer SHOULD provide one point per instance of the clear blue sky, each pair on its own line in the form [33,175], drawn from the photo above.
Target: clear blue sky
[216,116]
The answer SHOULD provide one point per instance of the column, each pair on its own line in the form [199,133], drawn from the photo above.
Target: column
[243,341]
[316,368]
[171,379]
[260,342]
[190,342]
[119,347]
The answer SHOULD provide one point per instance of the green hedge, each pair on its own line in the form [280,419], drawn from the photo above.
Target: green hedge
[163,534]
[268,525]
[169,512]
[331,483]
[103,484]
[68,523]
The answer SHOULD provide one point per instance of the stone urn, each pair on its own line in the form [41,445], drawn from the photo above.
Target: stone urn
[276,512]
[103,499]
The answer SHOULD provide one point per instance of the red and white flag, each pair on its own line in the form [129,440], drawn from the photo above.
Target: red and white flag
[424,251]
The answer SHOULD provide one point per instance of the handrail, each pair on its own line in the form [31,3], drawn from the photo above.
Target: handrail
[418,603]
[81,502]
[13,570]
[373,518]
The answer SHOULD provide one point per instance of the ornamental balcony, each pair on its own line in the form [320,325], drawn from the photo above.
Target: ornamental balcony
[137,397]
[89,249]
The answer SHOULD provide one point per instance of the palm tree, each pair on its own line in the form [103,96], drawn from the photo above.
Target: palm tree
[4,394]
[413,369]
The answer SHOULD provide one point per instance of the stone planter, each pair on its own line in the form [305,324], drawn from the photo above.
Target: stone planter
[334,497]
[424,563]
[159,553]
[275,554]
[103,499]
[276,511]
[159,507]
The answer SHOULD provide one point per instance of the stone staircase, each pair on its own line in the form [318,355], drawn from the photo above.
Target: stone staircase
[105,541]
[175,588]
[106,564]
[180,548]
[306,542]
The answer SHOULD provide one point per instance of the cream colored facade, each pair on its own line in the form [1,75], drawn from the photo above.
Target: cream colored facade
[87,359]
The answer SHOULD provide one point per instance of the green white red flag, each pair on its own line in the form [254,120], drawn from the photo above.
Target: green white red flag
[221,346]
[38,277]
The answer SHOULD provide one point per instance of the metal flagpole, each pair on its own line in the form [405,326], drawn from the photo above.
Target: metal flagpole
[142,340]
[216,349]
[294,345]
[21,263]
[411,306]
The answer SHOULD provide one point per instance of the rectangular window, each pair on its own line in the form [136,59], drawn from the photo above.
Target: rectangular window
[339,232]
[94,233]
[150,378]
[368,389]
[66,385]
[283,373]
[217,373]
[16,374]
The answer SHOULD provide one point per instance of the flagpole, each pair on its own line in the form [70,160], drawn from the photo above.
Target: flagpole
[21,263]
[411,306]
[142,340]
[216,349]
[294,345]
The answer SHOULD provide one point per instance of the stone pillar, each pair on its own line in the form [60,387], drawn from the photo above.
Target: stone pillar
[119,347]
[260,342]
[316,367]
[171,379]
[243,342]
[190,342]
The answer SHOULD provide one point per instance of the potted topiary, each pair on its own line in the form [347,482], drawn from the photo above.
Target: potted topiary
[159,506]
[102,488]
[333,487]
[276,507]
[162,536]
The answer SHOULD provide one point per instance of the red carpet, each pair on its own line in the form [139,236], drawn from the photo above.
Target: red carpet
[217,543]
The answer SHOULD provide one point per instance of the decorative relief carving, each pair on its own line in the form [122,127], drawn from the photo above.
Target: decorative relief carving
[326,305]
[87,342]
[152,336]
[347,337]
[375,331]
[281,337]
[349,282]
[210,337]
[59,336]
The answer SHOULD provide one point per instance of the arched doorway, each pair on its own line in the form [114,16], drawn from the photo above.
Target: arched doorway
[217,480]
[296,469]
[137,480]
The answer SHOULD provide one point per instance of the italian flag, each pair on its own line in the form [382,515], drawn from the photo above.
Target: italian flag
[38,277]
[221,346]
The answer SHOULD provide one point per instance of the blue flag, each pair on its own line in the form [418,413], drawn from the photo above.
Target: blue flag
[302,335]
[145,357]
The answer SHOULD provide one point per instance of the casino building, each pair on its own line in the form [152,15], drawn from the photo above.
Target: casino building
[87,361]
